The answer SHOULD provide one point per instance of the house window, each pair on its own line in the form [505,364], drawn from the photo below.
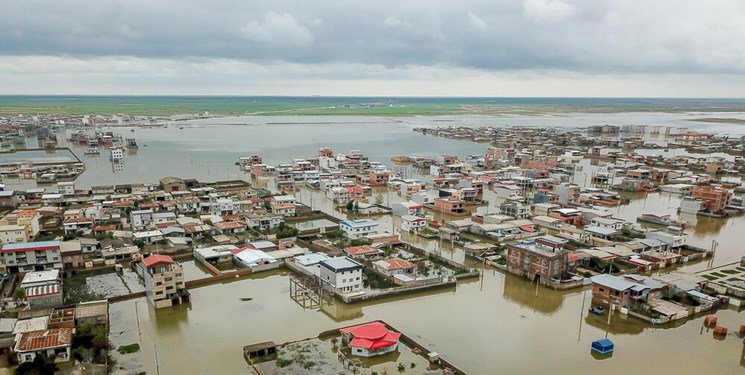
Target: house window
[601,290]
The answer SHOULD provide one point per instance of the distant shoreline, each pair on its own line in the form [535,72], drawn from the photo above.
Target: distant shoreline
[167,106]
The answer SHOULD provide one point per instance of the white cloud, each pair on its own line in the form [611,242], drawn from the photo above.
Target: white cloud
[278,29]
[477,22]
[547,10]
[392,21]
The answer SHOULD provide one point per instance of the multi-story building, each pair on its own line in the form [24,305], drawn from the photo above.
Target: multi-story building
[283,205]
[355,229]
[407,208]
[12,234]
[164,281]
[450,205]
[715,198]
[31,256]
[29,219]
[140,219]
[538,259]
[344,274]
[568,193]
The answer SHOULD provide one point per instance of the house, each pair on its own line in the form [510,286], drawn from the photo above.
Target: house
[13,234]
[568,193]
[230,227]
[450,205]
[264,221]
[569,216]
[140,219]
[516,210]
[541,258]
[147,237]
[66,188]
[220,254]
[29,219]
[31,256]
[362,252]
[604,233]
[283,205]
[344,274]
[72,254]
[626,290]
[171,184]
[714,198]
[410,223]
[395,266]
[370,339]
[252,258]
[78,224]
[611,223]
[407,208]
[43,289]
[355,229]
[51,342]
[164,281]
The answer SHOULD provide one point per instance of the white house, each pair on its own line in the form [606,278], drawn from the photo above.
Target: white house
[13,234]
[343,273]
[355,229]
[66,187]
[140,219]
[283,205]
[407,208]
[411,223]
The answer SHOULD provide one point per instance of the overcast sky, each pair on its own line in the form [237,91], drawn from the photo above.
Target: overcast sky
[670,48]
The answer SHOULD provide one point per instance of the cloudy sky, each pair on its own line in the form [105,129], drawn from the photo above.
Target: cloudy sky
[670,48]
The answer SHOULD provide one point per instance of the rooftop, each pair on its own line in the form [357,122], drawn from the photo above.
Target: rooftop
[44,339]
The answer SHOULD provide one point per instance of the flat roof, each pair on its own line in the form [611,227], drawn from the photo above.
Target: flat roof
[338,264]
[613,282]
[40,277]
[30,246]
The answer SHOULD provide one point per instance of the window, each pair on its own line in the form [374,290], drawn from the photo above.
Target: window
[601,290]
[358,278]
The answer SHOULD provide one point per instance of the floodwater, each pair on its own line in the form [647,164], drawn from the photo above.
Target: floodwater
[207,149]
[493,325]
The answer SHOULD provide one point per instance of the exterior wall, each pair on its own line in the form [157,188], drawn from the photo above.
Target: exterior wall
[46,301]
[27,261]
[528,263]
[162,286]
[608,294]
[13,235]
[362,352]
[345,281]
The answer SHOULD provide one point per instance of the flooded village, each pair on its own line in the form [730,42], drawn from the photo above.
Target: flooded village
[534,243]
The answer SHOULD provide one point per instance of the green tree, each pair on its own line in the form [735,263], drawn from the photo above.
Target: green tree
[41,365]
[19,294]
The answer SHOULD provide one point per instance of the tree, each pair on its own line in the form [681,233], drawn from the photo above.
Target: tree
[139,243]
[41,365]
[379,199]
[19,294]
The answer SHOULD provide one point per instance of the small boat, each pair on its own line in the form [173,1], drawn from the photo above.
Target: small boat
[598,310]
[602,346]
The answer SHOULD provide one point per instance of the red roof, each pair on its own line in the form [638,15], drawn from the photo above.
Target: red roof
[44,339]
[157,259]
[371,336]
[247,247]
[398,264]
[360,250]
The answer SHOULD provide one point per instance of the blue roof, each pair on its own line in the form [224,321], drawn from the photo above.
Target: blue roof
[602,343]
[359,223]
[24,245]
